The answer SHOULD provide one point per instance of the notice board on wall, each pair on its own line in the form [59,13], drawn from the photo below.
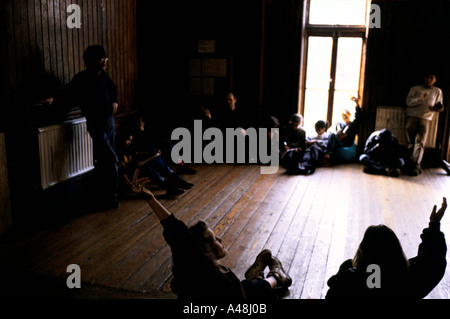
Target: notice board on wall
[208,71]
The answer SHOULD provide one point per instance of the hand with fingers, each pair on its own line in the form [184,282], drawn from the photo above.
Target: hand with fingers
[138,184]
[436,215]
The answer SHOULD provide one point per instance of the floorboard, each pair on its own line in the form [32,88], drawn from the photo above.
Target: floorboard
[312,223]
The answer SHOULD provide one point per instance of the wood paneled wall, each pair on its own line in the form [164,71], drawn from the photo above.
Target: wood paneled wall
[41,53]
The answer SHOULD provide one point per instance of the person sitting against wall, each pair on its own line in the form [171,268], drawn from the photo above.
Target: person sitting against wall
[271,125]
[380,269]
[294,145]
[381,154]
[320,146]
[196,254]
[347,132]
[149,141]
[229,114]
[150,165]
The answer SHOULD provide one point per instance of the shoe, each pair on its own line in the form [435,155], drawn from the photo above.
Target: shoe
[416,171]
[277,271]
[370,170]
[446,166]
[180,182]
[182,169]
[298,170]
[256,271]
[173,190]
[393,172]
[326,160]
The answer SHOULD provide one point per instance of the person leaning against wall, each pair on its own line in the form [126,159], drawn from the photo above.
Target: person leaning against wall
[423,101]
[96,94]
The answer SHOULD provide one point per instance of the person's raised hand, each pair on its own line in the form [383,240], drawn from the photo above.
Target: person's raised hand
[436,215]
[137,185]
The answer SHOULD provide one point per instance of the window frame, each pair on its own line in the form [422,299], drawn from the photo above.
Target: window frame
[334,31]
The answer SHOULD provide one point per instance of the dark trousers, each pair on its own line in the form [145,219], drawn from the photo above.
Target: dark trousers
[106,164]
[155,170]
[334,142]
[380,166]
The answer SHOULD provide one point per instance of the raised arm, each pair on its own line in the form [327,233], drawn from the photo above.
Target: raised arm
[428,267]
[138,186]
[436,216]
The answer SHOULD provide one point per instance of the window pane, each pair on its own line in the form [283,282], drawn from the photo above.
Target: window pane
[343,12]
[317,80]
[316,103]
[348,64]
[319,62]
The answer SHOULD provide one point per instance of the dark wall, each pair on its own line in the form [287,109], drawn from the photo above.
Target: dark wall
[282,45]
[411,42]
[40,53]
[168,36]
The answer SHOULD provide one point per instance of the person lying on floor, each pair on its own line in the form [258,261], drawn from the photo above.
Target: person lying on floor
[196,251]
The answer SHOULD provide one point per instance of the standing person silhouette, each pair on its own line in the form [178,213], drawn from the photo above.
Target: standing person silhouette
[96,94]
[423,102]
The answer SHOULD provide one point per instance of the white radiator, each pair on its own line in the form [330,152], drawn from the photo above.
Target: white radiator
[65,151]
[394,119]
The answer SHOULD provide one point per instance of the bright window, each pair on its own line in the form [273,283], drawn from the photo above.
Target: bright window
[334,44]
[338,12]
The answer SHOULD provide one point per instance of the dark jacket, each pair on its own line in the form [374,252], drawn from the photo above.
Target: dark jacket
[382,146]
[196,276]
[349,131]
[95,94]
[425,272]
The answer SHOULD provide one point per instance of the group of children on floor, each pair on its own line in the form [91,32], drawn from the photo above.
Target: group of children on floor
[300,152]
[196,250]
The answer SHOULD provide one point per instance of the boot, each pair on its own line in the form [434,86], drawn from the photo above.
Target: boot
[277,271]
[183,169]
[171,190]
[256,271]
[179,182]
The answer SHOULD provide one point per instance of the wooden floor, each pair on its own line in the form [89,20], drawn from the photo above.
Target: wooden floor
[312,223]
